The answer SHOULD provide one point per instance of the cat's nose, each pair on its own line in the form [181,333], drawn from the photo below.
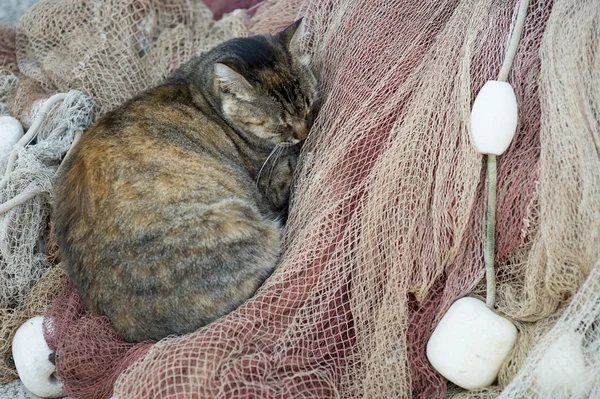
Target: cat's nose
[301,131]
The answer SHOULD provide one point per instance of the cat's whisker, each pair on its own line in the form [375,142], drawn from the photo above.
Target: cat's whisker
[266,160]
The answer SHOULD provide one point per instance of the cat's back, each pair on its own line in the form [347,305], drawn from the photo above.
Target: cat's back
[159,142]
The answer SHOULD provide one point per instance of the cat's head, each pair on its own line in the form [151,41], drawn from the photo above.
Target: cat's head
[265,86]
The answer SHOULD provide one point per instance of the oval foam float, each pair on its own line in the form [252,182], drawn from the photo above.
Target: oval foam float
[562,369]
[11,132]
[494,118]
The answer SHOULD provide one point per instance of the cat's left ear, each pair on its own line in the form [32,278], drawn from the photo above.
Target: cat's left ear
[291,38]
[231,80]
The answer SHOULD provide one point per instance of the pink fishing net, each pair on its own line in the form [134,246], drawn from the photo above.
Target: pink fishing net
[385,230]
[220,7]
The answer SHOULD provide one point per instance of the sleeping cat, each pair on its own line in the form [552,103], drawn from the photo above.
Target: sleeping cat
[169,210]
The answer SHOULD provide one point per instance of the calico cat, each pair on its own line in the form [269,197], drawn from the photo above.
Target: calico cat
[169,210]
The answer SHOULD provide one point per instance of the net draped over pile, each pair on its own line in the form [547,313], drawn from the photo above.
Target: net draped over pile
[385,230]
[23,255]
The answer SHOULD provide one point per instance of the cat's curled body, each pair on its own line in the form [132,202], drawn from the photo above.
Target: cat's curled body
[164,219]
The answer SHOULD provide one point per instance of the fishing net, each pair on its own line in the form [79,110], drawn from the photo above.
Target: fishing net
[112,50]
[566,249]
[25,193]
[8,56]
[22,255]
[385,230]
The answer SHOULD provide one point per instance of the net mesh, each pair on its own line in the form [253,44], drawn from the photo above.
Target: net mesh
[37,302]
[397,233]
[23,238]
[112,50]
[22,253]
[8,56]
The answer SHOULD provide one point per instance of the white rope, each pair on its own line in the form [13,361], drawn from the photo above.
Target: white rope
[25,140]
[18,200]
[254,7]
[30,135]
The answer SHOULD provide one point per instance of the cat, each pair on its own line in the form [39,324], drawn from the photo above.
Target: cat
[169,210]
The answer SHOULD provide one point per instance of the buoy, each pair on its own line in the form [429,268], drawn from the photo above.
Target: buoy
[470,344]
[562,369]
[494,117]
[31,355]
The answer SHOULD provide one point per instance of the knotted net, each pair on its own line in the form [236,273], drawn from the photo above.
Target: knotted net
[112,50]
[25,194]
[385,230]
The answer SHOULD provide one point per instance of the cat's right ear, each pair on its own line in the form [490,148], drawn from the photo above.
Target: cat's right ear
[292,37]
[231,81]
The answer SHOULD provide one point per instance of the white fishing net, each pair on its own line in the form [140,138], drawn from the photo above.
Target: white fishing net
[8,83]
[22,253]
[25,195]
[564,362]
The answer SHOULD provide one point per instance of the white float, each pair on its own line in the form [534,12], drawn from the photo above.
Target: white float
[30,353]
[10,133]
[494,117]
[470,344]
[562,368]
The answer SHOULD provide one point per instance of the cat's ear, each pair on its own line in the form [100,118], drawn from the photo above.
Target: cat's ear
[231,81]
[292,37]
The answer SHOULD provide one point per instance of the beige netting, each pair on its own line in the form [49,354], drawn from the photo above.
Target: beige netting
[114,49]
[37,302]
[385,229]
[8,56]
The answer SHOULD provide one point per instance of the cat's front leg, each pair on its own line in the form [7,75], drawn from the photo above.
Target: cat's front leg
[278,182]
